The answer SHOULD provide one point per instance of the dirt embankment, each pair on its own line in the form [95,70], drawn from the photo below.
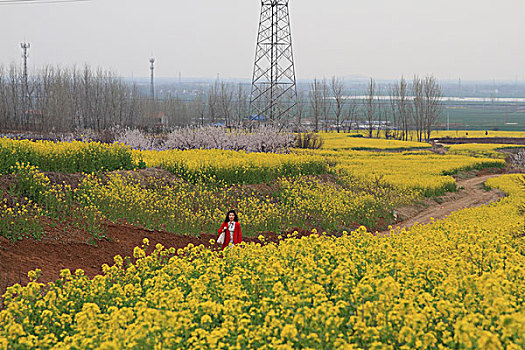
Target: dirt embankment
[65,248]
[492,140]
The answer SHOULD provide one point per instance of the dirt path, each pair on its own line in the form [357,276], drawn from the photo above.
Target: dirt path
[471,193]
[63,247]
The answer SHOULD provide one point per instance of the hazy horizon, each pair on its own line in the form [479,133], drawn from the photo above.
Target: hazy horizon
[472,40]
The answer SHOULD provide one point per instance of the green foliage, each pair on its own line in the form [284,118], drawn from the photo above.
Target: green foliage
[477,166]
[20,219]
[247,174]
[55,201]
[71,157]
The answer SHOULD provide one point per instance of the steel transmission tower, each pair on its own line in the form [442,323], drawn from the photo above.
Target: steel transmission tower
[274,90]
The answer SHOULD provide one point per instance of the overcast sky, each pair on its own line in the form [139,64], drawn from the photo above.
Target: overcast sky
[384,39]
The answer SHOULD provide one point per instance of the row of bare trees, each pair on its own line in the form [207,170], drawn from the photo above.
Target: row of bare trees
[65,99]
[228,103]
[69,99]
[410,110]
[416,108]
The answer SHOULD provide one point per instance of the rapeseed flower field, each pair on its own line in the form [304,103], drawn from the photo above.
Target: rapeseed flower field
[232,167]
[423,173]
[445,133]
[363,187]
[345,141]
[481,150]
[456,283]
[69,157]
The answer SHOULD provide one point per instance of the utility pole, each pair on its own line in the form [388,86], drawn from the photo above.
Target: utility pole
[152,68]
[25,89]
[274,90]
[25,47]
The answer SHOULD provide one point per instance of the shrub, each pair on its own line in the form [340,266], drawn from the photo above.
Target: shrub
[308,141]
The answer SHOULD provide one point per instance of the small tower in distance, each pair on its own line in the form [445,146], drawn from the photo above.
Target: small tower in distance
[152,68]
[25,46]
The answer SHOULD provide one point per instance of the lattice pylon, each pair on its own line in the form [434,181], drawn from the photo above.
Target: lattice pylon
[274,89]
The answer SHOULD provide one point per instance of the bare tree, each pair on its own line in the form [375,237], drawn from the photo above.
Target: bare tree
[336,87]
[370,106]
[353,113]
[380,113]
[418,117]
[299,110]
[394,99]
[387,122]
[134,107]
[241,104]
[226,102]
[433,105]
[15,96]
[200,108]
[315,98]
[326,105]
[213,102]
[3,104]
[404,108]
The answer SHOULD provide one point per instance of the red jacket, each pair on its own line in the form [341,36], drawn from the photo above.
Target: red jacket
[237,235]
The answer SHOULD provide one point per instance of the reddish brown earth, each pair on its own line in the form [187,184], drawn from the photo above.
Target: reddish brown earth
[71,249]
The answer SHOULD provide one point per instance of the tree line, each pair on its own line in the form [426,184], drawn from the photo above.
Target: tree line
[402,110]
[55,99]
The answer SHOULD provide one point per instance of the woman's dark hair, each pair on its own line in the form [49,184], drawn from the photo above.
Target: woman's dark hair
[228,216]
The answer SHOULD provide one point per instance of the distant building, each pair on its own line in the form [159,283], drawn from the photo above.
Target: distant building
[157,121]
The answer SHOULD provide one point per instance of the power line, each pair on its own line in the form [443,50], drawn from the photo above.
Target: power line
[36,2]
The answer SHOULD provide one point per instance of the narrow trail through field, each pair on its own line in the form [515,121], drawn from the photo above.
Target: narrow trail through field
[471,193]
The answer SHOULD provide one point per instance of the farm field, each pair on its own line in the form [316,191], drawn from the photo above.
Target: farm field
[477,133]
[485,117]
[342,141]
[481,150]
[313,272]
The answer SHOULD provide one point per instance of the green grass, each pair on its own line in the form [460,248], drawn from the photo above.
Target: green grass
[473,117]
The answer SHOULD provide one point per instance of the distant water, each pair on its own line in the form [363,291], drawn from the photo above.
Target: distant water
[456,99]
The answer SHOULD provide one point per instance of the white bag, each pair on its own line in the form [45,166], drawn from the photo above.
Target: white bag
[221,238]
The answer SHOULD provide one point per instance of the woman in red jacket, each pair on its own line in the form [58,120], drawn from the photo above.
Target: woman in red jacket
[232,229]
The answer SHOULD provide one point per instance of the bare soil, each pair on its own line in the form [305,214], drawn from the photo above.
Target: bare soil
[492,140]
[63,248]
[471,193]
